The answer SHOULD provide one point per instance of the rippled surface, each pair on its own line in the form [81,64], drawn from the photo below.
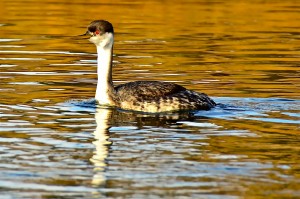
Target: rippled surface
[245,55]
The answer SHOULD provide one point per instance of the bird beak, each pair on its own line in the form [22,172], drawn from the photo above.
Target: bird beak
[85,34]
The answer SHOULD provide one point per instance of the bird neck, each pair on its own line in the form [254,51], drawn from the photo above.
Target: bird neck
[105,87]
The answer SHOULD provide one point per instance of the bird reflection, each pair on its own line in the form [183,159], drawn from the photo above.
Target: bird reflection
[105,118]
[101,143]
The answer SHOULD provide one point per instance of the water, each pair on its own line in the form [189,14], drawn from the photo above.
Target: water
[245,55]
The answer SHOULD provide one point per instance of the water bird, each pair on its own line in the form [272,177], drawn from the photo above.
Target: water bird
[145,96]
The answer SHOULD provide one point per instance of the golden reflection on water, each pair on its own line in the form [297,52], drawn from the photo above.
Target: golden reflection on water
[223,48]
[204,45]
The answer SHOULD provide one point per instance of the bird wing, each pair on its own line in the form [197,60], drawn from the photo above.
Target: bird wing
[147,90]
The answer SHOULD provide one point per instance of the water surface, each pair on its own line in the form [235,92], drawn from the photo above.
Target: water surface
[243,54]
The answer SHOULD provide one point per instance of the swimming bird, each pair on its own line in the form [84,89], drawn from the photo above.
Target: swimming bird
[145,96]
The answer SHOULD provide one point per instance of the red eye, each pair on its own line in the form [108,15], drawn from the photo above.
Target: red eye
[97,32]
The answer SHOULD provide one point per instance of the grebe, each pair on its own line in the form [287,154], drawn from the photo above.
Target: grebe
[145,96]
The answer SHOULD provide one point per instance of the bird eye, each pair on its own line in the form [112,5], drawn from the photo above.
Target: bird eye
[97,32]
[92,29]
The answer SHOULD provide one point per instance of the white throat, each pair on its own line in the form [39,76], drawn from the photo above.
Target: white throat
[104,85]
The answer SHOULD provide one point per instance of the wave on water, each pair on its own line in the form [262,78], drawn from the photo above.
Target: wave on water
[263,109]
[88,105]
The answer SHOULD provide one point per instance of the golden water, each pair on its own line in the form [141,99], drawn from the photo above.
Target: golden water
[244,54]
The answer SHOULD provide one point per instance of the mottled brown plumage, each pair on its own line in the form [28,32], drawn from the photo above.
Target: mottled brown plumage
[148,90]
[154,96]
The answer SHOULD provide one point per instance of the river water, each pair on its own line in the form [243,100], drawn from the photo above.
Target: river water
[244,54]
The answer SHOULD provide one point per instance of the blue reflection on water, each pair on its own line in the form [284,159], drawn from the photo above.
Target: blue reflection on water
[260,109]
[228,108]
